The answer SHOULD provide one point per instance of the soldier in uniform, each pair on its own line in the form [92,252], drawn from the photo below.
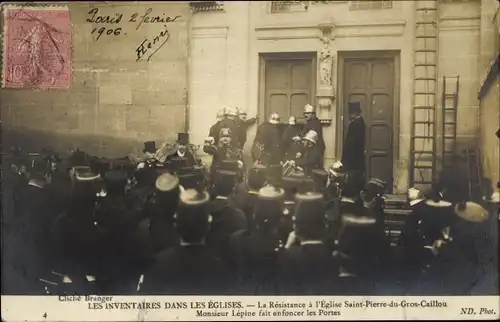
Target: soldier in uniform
[267,143]
[353,154]
[308,262]
[227,218]
[257,252]
[313,123]
[189,267]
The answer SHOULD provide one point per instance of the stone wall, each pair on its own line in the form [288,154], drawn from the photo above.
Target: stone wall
[115,102]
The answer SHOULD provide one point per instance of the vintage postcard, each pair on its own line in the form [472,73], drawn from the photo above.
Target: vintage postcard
[250,160]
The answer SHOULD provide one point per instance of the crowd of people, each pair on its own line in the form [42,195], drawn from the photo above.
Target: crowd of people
[275,144]
[244,232]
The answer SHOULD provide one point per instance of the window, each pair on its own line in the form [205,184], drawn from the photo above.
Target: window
[373,4]
[206,6]
[289,6]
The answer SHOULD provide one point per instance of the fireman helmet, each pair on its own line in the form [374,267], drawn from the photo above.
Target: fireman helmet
[311,136]
[291,120]
[274,118]
[232,111]
[308,108]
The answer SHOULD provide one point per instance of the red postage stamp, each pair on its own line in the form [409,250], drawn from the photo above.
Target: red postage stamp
[37,47]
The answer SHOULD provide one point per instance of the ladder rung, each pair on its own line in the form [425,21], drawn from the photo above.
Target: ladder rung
[422,152]
[426,78]
[424,64]
[423,137]
[423,182]
[425,50]
[425,22]
[450,123]
[424,93]
[423,166]
[425,36]
[423,122]
[450,95]
[450,109]
[447,137]
[424,107]
[426,9]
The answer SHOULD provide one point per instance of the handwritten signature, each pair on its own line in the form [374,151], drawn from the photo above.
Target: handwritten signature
[147,44]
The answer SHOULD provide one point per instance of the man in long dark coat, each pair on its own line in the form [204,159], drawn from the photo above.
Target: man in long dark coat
[353,154]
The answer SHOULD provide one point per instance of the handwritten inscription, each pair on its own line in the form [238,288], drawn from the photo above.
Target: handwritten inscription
[146,18]
[147,44]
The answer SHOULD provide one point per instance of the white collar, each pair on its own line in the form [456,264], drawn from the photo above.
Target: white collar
[311,242]
[181,154]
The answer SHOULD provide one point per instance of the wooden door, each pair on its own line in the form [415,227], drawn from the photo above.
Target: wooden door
[371,82]
[288,87]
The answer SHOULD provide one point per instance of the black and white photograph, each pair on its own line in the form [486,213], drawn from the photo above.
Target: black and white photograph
[251,148]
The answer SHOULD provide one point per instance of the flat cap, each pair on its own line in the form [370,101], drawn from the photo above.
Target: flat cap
[166,182]
[192,197]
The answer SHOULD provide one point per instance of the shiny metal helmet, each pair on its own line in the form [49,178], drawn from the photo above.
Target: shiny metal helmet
[274,118]
[232,111]
[308,108]
[311,136]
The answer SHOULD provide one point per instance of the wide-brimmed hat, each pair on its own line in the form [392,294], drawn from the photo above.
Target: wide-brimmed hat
[472,212]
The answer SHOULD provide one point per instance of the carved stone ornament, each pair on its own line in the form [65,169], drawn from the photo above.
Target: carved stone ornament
[325,96]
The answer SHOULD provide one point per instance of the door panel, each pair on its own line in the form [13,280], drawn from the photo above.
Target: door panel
[288,87]
[371,82]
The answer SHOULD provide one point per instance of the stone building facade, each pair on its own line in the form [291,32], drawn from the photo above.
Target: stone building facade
[275,56]
[269,56]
